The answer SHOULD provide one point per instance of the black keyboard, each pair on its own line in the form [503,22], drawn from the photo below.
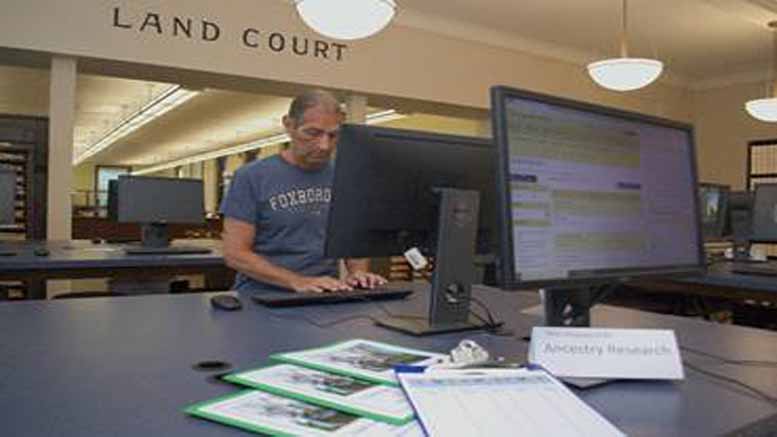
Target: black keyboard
[755,269]
[290,299]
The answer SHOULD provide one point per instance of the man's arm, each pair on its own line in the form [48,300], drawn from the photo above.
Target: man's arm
[359,274]
[238,241]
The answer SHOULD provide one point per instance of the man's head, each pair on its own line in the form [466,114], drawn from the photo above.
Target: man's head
[313,124]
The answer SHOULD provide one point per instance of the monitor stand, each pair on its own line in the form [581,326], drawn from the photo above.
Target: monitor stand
[567,307]
[156,241]
[570,307]
[449,307]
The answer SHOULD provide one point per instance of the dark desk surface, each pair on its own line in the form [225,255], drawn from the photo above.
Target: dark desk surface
[719,281]
[78,259]
[80,254]
[123,366]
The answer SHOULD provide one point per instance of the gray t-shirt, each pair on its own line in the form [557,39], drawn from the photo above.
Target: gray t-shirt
[289,207]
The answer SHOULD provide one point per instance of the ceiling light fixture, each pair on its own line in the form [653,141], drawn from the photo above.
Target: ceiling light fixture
[375,118]
[625,73]
[766,109]
[346,19]
[169,99]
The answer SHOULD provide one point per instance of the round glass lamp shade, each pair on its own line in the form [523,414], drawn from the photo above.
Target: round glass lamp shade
[625,74]
[346,19]
[763,109]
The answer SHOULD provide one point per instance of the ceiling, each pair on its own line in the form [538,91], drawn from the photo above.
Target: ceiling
[697,39]
[701,42]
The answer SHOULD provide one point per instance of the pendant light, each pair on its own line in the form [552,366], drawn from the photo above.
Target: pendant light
[766,109]
[346,19]
[625,73]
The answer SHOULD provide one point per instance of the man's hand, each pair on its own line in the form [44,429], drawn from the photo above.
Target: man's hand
[319,284]
[365,280]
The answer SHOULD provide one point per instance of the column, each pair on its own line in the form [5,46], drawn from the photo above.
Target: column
[62,104]
[356,109]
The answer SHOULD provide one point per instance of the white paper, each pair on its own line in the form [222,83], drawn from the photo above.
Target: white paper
[500,403]
[361,358]
[283,415]
[337,389]
[606,353]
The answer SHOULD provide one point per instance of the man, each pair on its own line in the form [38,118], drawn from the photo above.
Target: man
[276,209]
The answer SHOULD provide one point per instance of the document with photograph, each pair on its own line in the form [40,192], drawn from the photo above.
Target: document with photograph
[363,398]
[275,415]
[364,359]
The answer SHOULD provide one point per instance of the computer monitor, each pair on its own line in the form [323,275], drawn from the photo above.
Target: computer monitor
[391,188]
[739,223]
[7,195]
[591,195]
[384,202]
[155,202]
[713,200]
[764,228]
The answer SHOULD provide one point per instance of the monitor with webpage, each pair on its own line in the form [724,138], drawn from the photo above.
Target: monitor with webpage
[591,195]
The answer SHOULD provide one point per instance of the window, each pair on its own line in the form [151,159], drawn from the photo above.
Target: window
[761,162]
[102,176]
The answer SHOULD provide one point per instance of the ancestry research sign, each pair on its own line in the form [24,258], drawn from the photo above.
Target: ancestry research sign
[607,353]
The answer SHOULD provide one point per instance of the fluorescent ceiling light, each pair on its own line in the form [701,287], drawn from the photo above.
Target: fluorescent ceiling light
[375,118]
[168,100]
[346,19]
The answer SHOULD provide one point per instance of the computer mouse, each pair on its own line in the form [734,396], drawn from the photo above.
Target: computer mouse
[41,251]
[226,302]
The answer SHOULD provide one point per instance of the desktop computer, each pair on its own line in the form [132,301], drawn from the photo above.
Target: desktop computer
[590,196]
[764,224]
[763,229]
[398,189]
[713,201]
[739,222]
[154,203]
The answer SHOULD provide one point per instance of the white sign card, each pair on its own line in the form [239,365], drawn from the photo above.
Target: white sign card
[606,353]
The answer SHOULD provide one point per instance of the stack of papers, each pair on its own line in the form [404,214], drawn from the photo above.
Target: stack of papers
[361,387]
[500,402]
[343,389]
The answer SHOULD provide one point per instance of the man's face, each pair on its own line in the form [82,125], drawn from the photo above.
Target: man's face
[314,140]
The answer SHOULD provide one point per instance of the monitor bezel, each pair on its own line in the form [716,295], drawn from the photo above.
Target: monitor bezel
[509,280]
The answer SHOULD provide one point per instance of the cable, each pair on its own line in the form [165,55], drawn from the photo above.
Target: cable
[751,363]
[491,319]
[760,394]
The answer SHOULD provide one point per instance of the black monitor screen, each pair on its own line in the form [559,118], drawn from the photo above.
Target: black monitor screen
[7,196]
[141,199]
[713,200]
[764,227]
[383,201]
[592,194]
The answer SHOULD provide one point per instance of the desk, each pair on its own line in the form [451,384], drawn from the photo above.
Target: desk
[718,282]
[123,366]
[78,259]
